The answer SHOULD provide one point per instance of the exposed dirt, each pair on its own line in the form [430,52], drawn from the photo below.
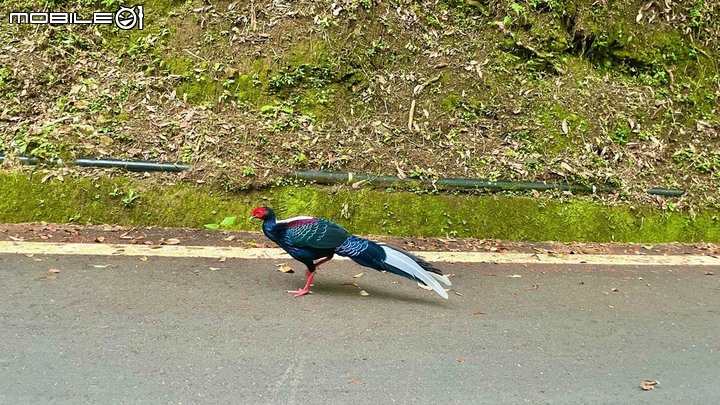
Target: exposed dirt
[620,94]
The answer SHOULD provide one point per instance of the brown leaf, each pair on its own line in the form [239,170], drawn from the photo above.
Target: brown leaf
[648,385]
[285,268]
[356,382]
[100,239]
[479,313]
[461,361]
[401,174]
[357,184]
[172,241]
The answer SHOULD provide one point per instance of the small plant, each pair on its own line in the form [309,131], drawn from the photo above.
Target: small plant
[621,136]
[227,222]
[130,198]
[248,171]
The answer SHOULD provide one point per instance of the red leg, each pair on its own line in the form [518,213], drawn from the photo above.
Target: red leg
[305,290]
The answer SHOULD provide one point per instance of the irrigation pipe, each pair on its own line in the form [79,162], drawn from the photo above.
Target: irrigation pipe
[345,177]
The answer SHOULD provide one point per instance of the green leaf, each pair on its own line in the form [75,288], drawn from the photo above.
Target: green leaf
[212,226]
[228,221]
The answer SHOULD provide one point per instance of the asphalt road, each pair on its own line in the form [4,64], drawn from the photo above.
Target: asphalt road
[172,331]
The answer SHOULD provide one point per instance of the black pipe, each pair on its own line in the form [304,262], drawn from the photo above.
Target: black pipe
[129,165]
[343,177]
[133,166]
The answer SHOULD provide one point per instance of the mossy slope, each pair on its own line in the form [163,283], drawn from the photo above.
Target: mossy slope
[365,211]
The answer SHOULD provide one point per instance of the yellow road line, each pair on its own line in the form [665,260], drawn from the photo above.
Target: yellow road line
[99,249]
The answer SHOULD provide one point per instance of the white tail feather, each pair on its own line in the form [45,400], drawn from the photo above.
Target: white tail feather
[441,277]
[408,265]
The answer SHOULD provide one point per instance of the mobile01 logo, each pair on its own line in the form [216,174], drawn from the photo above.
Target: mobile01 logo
[125,18]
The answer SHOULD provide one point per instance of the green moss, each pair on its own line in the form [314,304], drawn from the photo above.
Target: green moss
[365,211]
[450,103]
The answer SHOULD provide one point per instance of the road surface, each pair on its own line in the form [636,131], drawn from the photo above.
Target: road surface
[163,330]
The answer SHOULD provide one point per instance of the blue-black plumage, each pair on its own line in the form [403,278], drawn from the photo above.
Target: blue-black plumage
[313,241]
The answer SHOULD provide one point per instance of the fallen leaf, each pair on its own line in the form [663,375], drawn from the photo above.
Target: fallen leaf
[709,273]
[648,247]
[214,268]
[100,266]
[614,289]
[100,239]
[400,173]
[457,293]
[16,239]
[514,276]
[54,271]
[285,268]
[30,254]
[358,183]
[565,129]
[611,307]
[172,241]
[359,275]
[479,313]
[461,361]
[364,293]
[648,385]
[143,258]
[355,382]
[222,259]
[244,308]
[229,238]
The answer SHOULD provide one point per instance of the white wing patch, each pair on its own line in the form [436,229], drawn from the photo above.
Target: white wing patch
[408,265]
[284,221]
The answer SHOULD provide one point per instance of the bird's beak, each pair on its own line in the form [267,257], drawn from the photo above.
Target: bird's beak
[253,217]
